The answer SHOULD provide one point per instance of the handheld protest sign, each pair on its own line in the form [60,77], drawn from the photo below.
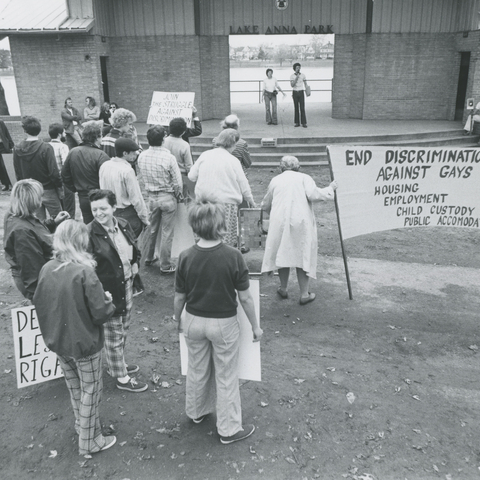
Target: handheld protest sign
[166,106]
[34,362]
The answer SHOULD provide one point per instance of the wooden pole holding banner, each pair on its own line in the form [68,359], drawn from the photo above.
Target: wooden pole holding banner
[345,263]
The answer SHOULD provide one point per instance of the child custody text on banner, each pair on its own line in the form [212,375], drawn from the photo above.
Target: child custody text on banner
[383,188]
[166,106]
[34,362]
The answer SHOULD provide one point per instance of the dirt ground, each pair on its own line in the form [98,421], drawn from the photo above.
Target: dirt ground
[384,386]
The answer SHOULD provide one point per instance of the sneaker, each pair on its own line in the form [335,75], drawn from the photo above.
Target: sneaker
[245,432]
[137,292]
[132,386]
[110,441]
[199,419]
[132,369]
[244,250]
[169,270]
[148,263]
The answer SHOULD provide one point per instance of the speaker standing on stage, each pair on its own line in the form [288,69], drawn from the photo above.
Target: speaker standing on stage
[270,92]
[298,81]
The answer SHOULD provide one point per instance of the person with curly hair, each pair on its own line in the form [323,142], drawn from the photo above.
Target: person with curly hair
[121,120]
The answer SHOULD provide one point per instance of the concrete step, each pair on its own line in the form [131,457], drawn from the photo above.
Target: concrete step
[312,151]
[204,140]
[294,148]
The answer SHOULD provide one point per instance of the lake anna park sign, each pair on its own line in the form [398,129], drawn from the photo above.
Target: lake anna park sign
[280,30]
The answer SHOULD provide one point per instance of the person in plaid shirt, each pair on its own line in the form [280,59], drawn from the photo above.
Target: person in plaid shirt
[163,183]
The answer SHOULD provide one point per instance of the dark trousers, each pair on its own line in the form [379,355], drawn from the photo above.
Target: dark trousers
[299,106]
[68,202]
[85,207]
[130,214]
[4,178]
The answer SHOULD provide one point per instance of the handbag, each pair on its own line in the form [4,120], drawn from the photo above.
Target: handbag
[308,90]
[263,223]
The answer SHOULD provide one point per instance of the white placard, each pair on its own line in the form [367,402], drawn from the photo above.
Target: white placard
[166,106]
[35,363]
[382,188]
[249,362]
[183,234]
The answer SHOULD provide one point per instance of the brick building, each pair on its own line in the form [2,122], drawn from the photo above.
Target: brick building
[394,59]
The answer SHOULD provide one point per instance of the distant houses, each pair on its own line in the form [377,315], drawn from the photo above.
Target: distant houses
[298,52]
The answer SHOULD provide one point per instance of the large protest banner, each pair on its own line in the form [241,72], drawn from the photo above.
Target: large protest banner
[166,106]
[35,363]
[382,188]
[249,363]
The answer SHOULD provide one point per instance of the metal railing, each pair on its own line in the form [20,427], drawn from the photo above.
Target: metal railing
[259,88]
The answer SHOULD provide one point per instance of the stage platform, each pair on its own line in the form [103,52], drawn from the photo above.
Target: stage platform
[320,123]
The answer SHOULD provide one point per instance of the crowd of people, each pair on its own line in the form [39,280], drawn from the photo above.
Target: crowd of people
[82,276]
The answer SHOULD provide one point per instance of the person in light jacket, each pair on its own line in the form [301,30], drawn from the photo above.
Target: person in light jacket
[292,232]
[71,308]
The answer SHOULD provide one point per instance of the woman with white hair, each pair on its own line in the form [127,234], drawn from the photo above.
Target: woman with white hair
[241,148]
[220,178]
[292,233]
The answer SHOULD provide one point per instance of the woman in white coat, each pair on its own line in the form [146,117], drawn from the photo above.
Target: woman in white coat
[292,234]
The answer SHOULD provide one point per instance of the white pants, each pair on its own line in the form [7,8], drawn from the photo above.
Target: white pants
[469,123]
[213,362]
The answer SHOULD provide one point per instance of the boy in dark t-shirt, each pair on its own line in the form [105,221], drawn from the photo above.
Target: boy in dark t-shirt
[208,277]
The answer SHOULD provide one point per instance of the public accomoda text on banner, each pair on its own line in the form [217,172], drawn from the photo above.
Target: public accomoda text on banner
[166,106]
[35,363]
[382,188]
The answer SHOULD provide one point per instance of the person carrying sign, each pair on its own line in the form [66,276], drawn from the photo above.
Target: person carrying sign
[71,308]
[209,276]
